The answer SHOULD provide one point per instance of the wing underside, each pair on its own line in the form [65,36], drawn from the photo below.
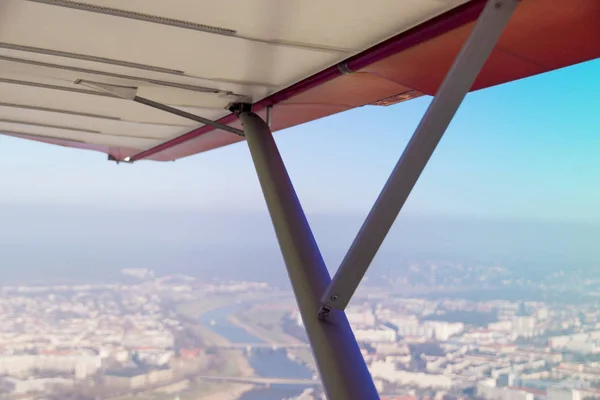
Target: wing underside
[307,59]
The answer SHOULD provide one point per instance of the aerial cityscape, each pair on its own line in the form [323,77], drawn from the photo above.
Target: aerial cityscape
[185,183]
[423,332]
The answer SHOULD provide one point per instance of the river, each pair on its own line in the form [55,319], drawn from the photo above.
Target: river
[267,364]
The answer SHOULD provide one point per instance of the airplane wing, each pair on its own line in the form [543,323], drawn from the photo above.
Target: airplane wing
[304,59]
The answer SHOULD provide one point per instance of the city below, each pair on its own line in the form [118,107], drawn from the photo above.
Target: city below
[423,336]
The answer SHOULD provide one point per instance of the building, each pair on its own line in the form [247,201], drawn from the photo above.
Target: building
[148,339]
[439,330]
[517,394]
[490,391]
[582,347]
[587,342]
[506,379]
[80,365]
[542,313]
[380,334]
[563,394]
[20,387]
[416,329]
[500,326]
[359,317]
[524,326]
[386,370]
[444,330]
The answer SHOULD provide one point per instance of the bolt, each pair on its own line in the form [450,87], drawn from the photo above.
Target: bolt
[324,312]
[497,5]
[334,297]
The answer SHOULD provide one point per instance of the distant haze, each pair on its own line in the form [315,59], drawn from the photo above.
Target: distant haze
[41,244]
[515,160]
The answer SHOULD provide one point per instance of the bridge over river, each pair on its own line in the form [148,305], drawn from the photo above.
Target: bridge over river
[273,346]
[261,381]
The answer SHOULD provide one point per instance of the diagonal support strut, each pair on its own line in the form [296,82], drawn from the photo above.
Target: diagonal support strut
[130,93]
[184,114]
[342,368]
[457,83]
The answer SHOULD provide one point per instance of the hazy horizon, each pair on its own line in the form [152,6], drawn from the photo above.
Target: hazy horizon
[514,181]
[90,242]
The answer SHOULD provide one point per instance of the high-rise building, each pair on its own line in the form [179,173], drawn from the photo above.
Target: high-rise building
[524,326]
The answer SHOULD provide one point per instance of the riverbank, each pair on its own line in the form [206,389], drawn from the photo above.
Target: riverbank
[234,363]
[235,320]
[265,322]
[231,392]
[266,363]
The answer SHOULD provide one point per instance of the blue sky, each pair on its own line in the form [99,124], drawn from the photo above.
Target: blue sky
[527,149]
